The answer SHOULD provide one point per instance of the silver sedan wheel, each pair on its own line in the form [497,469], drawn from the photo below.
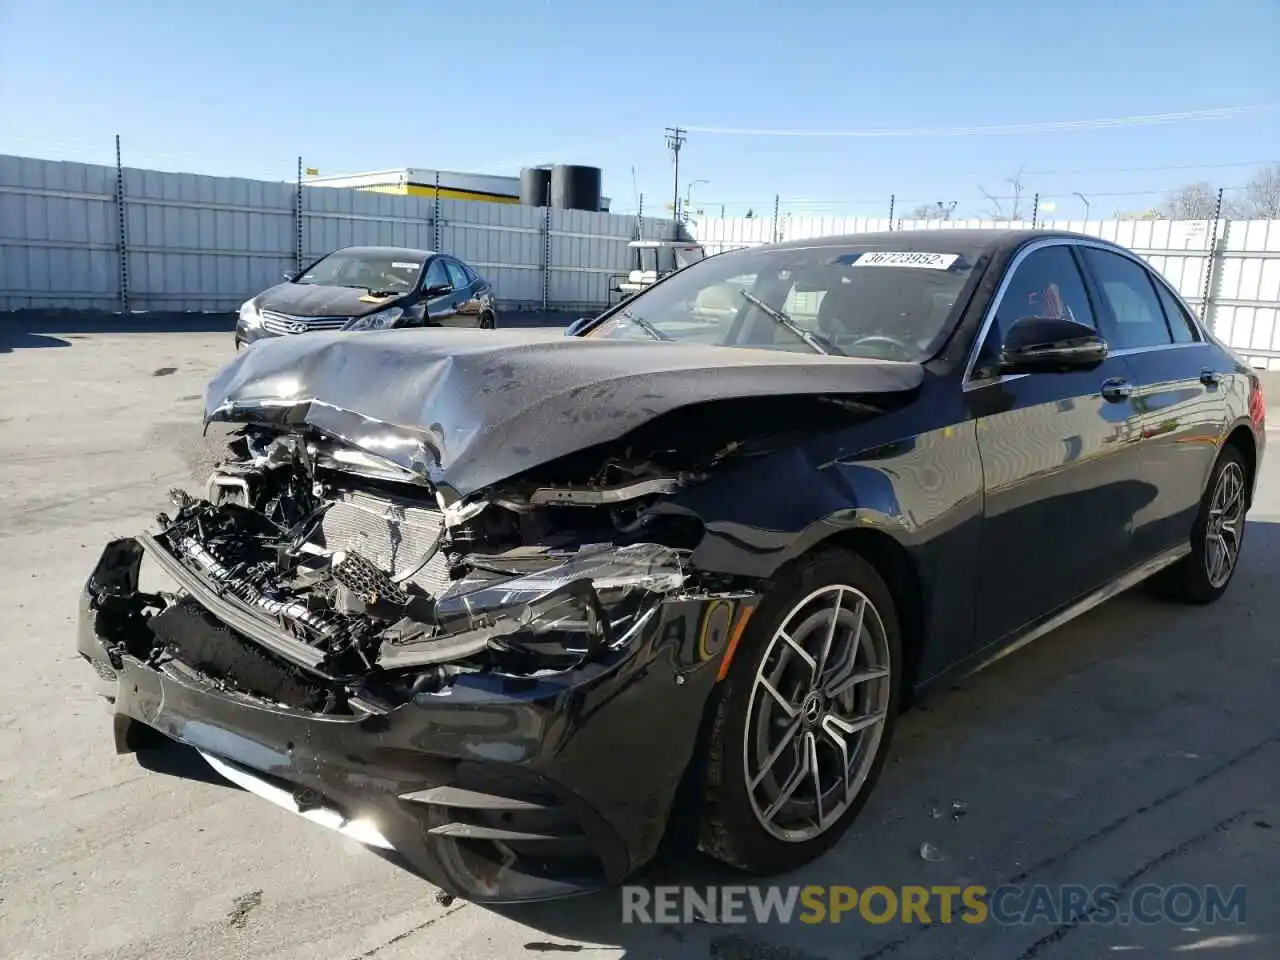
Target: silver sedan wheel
[816,713]
[1225,528]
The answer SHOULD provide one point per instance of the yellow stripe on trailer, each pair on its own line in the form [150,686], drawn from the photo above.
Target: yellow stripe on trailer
[451,193]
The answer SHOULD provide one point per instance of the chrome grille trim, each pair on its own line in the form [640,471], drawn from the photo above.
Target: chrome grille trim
[282,324]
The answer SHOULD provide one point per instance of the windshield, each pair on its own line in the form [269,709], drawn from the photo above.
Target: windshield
[383,272]
[849,301]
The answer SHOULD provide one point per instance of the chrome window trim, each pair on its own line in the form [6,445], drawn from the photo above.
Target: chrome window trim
[969,383]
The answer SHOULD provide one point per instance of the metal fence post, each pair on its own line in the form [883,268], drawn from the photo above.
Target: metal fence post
[1206,292]
[1035,210]
[546,255]
[436,232]
[122,223]
[297,222]
[777,204]
[893,199]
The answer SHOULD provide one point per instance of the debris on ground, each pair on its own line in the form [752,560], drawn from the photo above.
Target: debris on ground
[241,907]
[931,853]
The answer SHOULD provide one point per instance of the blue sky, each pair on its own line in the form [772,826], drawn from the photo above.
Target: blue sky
[241,88]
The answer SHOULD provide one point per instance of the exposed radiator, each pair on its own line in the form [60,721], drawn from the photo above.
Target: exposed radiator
[399,537]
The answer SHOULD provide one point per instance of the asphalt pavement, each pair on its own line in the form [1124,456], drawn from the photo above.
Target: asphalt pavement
[1138,745]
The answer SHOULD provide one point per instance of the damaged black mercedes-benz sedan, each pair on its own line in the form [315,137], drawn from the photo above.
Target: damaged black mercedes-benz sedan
[512,605]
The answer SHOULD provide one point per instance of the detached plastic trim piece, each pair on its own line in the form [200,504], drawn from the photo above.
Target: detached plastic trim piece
[231,613]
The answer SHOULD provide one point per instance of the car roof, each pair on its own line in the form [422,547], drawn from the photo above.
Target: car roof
[971,242]
[389,251]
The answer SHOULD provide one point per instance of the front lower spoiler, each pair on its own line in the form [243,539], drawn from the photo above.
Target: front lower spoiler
[496,789]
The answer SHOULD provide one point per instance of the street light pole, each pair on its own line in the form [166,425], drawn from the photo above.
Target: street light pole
[1085,201]
[688,196]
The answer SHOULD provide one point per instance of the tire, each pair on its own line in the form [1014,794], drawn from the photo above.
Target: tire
[488,322]
[745,826]
[1199,577]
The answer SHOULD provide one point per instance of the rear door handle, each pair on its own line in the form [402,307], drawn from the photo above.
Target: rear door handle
[1116,390]
[1210,378]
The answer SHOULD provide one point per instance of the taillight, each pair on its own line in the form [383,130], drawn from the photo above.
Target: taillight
[1257,404]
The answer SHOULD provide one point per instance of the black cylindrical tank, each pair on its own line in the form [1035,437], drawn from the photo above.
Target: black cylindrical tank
[535,187]
[575,188]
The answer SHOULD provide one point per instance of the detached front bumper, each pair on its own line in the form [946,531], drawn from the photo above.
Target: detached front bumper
[495,789]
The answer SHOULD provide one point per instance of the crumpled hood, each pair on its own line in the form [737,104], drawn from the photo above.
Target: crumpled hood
[318,300]
[467,408]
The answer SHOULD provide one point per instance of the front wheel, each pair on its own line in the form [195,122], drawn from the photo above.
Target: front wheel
[488,321]
[804,717]
[1216,536]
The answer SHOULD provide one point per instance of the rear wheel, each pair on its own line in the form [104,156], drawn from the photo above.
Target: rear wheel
[487,321]
[804,717]
[1216,537]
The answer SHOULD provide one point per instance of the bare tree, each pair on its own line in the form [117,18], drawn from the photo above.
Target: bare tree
[1139,215]
[1261,196]
[1195,201]
[1007,207]
[940,210]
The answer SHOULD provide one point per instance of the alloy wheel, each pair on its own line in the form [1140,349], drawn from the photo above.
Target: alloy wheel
[1225,528]
[816,713]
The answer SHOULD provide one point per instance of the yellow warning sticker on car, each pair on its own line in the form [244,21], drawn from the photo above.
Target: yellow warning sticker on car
[903,258]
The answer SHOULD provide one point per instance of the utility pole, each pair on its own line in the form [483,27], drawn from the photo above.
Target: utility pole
[675,140]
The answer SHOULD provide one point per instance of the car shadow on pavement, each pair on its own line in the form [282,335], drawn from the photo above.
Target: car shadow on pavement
[35,328]
[1052,766]
[11,340]
[178,760]
[36,323]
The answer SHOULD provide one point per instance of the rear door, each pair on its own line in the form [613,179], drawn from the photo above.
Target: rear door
[1061,465]
[1177,377]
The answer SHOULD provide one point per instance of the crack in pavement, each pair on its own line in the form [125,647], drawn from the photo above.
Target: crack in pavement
[400,937]
[1063,929]
[921,928]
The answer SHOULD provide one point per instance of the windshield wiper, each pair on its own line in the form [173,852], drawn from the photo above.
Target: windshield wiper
[644,325]
[783,319]
[384,293]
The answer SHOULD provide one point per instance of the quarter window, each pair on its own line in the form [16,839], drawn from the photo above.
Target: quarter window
[1138,318]
[1180,324]
[1046,284]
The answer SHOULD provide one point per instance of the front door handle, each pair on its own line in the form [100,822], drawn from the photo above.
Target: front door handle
[1210,378]
[1116,390]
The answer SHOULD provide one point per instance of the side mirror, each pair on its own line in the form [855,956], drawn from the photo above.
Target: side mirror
[289,276]
[438,289]
[1043,345]
[576,327]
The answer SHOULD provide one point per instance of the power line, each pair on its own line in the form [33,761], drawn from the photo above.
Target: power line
[1178,166]
[1062,126]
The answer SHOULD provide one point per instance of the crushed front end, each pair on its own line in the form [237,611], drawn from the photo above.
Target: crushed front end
[505,690]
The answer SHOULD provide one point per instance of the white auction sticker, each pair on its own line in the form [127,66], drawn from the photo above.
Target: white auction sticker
[901,258]
[405,266]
